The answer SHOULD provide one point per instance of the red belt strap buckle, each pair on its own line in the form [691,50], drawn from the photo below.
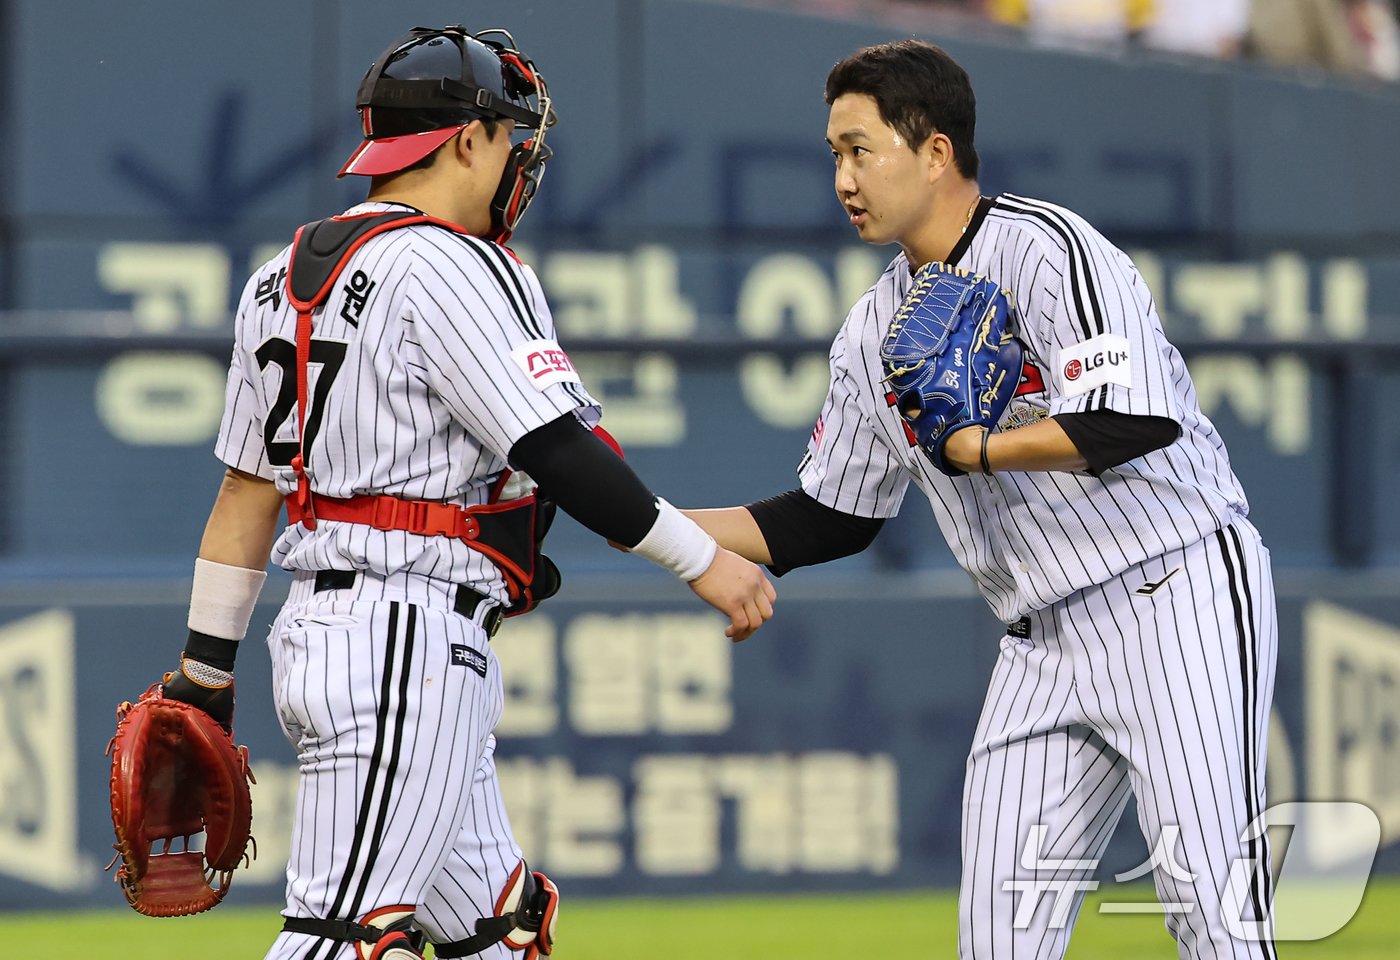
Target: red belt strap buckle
[442,520]
[423,517]
[384,514]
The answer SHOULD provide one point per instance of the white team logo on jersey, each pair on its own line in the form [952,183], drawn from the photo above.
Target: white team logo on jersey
[1095,363]
[545,362]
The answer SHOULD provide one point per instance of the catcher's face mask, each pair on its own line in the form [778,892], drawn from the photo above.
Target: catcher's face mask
[432,82]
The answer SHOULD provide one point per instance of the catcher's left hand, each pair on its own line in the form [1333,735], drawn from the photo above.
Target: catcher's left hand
[176,773]
[204,686]
[950,358]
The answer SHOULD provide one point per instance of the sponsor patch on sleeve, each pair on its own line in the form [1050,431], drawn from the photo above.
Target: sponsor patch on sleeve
[545,362]
[1094,363]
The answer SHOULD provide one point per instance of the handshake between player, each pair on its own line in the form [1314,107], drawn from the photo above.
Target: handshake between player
[738,589]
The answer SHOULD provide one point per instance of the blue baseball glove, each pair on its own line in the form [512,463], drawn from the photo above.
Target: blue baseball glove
[949,358]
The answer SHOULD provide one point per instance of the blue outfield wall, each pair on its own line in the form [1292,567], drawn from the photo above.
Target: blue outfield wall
[702,431]
[675,115]
[690,199]
[642,753]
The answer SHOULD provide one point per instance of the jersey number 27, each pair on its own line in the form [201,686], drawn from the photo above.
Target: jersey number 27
[326,354]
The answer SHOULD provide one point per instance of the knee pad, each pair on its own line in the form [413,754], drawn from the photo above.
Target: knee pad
[384,934]
[526,913]
[401,940]
[531,901]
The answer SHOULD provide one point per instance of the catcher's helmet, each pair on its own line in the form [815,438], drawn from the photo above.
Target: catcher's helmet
[432,82]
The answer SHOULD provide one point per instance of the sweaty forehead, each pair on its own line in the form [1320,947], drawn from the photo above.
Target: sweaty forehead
[855,116]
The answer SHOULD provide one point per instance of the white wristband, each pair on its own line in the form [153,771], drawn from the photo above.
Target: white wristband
[222,598]
[677,543]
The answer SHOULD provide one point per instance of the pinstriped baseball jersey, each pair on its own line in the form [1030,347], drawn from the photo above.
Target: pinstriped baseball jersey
[435,353]
[1093,342]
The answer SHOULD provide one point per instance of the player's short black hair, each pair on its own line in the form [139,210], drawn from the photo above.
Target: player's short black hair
[919,89]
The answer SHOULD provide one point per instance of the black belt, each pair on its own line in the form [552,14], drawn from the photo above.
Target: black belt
[1020,629]
[466,603]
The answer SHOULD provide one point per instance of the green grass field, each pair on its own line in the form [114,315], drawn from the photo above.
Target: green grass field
[905,925]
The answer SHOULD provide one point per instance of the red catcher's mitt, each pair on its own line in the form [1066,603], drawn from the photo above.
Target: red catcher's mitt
[175,773]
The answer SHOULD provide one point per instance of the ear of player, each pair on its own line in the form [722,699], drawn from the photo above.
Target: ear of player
[950,357]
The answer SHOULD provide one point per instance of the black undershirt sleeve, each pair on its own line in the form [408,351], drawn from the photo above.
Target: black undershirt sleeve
[1107,438]
[597,488]
[587,479]
[800,531]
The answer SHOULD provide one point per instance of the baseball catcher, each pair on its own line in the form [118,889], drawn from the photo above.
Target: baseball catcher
[176,773]
[950,359]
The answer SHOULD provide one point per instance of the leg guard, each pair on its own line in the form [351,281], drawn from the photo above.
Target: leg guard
[526,913]
[384,934]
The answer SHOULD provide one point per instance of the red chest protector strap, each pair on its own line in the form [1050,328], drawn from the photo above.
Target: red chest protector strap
[319,252]
[504,532]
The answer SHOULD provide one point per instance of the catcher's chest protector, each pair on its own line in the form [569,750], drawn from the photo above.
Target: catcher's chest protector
[509,532]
